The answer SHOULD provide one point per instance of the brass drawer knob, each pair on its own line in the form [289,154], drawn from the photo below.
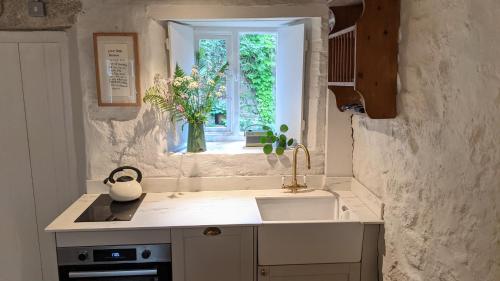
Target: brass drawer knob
[212,231]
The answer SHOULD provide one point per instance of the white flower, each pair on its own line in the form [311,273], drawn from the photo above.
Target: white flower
[193,85]
[188,78]
[222,88]
[218,94]
[163,82]
[211,82]
[194,71]
[221,74]
[177,81]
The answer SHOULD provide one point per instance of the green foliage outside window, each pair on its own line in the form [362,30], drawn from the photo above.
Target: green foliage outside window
[257,62]
[257,65]
[213,52]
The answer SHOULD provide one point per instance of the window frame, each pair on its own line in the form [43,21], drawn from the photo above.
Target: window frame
[227,130]
[233,82]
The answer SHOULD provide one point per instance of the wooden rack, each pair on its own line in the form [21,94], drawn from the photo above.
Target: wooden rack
[342,57]
[363,49]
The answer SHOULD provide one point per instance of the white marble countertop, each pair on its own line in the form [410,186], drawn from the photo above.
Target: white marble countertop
[192,209]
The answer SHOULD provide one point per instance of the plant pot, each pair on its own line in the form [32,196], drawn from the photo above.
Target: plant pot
[196,138]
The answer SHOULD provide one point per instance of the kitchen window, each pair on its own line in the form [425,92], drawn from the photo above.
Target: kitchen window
[265,77]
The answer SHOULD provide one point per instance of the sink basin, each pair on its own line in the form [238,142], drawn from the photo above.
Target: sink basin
[298,209]
[318,230]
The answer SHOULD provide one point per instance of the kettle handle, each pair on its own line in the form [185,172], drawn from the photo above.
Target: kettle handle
[119,169]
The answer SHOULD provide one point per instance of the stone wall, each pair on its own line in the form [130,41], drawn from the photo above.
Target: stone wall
[437,165]
[137,136]
[116,136]
[60,14]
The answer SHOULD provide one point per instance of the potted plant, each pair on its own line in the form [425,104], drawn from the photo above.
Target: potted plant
[189,98]
[276,141]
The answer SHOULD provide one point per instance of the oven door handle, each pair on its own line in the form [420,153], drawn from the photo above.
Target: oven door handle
[112,273]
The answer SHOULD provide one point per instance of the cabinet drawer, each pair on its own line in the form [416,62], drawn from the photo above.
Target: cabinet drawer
[213,254]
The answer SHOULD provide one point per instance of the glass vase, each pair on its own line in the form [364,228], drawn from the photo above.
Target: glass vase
[196,138]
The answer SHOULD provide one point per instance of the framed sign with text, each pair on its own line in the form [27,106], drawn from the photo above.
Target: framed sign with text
[117,69]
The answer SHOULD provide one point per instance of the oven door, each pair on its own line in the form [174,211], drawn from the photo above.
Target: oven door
[117,272]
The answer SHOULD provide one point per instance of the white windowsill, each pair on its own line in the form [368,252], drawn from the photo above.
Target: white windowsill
[229,147]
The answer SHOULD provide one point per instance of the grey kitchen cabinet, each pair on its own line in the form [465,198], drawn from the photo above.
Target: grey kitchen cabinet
[310,272]
[213,254]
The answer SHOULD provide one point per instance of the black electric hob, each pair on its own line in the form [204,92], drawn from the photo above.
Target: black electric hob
[105,209]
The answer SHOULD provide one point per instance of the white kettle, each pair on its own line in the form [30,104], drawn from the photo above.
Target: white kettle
[124,188]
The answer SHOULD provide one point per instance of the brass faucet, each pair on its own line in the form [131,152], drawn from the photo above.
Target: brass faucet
[295,185]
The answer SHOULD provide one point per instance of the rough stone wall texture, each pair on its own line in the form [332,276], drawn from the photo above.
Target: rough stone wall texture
[60,14]
[118,136]
[437,165]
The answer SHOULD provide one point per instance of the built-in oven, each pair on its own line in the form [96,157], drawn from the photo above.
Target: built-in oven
[115,263]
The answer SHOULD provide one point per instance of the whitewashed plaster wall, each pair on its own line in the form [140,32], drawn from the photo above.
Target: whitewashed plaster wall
[136,136]
[437,165]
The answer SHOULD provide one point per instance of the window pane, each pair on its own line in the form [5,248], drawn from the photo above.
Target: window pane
[213,54]
[257,88]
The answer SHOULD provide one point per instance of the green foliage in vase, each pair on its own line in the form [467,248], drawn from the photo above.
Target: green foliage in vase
[257,59]
[188,97]
[280,140]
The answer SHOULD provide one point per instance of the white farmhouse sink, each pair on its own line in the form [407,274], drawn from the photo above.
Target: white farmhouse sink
[305,230]
[298,209]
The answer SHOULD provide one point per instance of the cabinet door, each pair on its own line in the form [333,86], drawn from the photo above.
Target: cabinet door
[52,167]
[18,234]
[310,272]
[213,254]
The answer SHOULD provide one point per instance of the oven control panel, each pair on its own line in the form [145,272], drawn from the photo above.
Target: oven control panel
[114,254]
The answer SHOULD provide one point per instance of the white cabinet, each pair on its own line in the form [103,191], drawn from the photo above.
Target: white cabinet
[310,272]
[310,243]
[213,254]
[37,165]
[18,236]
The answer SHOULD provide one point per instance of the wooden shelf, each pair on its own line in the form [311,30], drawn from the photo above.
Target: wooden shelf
[341,84]
[344,2]
[363,49]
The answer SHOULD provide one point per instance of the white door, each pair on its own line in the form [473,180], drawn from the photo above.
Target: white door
[290,79]
[310,272]
[37,69]
[18,232]
[213,254]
